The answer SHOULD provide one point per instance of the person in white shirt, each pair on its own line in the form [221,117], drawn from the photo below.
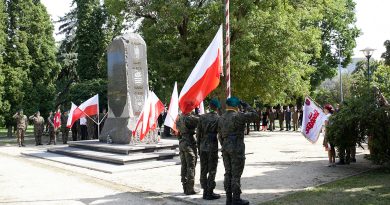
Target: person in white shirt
[83,126]
[329,146]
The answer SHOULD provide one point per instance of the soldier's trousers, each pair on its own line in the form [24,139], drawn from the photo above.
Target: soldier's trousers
[295,125]
[52,137]
[288,124]
[208,169]
[20,135]
[234,162]
[188,162]
[272,125]
[281,124]
[38,137]
[65,135]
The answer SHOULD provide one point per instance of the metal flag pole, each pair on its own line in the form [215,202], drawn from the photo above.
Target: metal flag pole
[98,121]
[227,48]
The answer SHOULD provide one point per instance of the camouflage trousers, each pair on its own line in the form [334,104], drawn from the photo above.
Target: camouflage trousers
[295,125]
[233,153]
[281,124]
[208,169]
[20,135]
[65,135]
[38,137]
[52,136]
[188,159]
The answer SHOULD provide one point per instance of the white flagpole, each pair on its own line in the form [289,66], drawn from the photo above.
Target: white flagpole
[98,121]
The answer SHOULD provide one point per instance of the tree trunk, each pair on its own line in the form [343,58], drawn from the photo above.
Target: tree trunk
[9,133]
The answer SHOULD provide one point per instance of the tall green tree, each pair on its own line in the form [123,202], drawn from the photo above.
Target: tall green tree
[30,61]
[3,36]
[386,54]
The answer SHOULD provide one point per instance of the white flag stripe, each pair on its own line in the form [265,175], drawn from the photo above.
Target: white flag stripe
[173,110]
[312,121]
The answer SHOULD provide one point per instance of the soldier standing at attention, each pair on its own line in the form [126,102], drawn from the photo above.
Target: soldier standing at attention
[281,118]
[64,129]
[295,117]
[52,130]
[39,125]
[21,125]
[207,142]
[231,128]
[186,125]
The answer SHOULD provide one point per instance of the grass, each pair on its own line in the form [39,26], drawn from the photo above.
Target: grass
[372,187]
[3,131]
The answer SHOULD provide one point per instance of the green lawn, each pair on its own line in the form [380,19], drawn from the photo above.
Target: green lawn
[372,187]
[3,131]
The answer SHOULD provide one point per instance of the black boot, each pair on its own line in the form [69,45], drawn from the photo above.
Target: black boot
[190,189]
[185,188]
[229,198]
[238,201]
[341,162]
[205,194]
[211,195]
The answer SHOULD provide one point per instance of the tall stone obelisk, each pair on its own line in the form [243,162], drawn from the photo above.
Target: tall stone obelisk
[127,86]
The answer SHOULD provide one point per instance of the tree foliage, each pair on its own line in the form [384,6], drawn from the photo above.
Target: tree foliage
[30,65]
[279,48]
[386,54]
[3,15]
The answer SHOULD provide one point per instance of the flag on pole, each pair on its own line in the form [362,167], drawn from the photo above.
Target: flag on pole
[74,114]
[90,107]
[205,77]
[57,120]
[173,110]
[148,119]
[312,121]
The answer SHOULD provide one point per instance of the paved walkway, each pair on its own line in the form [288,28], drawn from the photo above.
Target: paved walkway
[277,163]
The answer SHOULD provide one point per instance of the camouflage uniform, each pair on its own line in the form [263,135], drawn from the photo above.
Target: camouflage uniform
[52,130]
[295,117]
[39,125]
[21,125]
[207,143]
[231,128]
[186,124]
[64,129]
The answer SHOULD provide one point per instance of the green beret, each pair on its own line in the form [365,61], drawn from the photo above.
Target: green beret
[214,102]
[233,102]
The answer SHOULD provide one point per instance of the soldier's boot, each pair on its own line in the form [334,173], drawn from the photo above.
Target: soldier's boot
[190,188]
[238,201]
[211,195]
[205,194]
[229,198]
[185,188]
[23,142]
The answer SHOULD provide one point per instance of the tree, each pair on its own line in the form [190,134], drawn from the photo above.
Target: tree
[329,90]
[30,62]
[3,107]
[386,54]
[276,45]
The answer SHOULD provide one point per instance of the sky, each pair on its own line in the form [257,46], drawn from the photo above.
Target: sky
[372,19]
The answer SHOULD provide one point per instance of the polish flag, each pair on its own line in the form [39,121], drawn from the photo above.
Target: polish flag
[57,120]
[205,76]
[74,114]
[90,107]
[148,119]
[173,110]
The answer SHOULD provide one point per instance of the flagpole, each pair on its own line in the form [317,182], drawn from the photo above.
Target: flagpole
[227,48]
[98,119]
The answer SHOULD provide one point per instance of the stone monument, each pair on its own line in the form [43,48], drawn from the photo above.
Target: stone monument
[127,87]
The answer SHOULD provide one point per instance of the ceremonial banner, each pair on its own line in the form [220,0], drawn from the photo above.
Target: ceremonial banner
[312,121]
[205,76]
[57,120]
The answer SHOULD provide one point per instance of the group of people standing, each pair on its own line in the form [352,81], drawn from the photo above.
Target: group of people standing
[289,118]
[83,129]
[210,128]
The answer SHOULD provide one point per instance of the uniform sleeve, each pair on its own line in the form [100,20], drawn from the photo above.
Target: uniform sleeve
[199,134]
[249,116]
[220,132]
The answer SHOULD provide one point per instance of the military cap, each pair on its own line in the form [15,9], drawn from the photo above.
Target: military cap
[215,103]
[233,102]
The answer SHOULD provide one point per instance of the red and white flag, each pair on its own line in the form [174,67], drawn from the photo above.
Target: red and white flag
[147,121]
[90,107]
[201,109]
[173,110]
[57,120]
[74,114]
[312,121]
[205,76]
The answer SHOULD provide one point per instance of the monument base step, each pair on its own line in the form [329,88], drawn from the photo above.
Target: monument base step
[112,157]
[95,145]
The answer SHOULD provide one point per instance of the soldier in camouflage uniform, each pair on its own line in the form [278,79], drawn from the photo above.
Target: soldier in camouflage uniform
[281,118]
[231,128]
[186,125]
[21,125]
[52,130]
[39,125]
[64,129]
[272,117]
[207,143]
